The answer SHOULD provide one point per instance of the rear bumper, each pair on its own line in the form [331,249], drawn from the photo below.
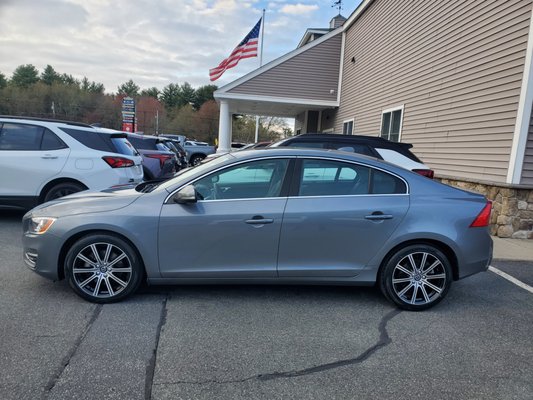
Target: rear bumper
[477,257]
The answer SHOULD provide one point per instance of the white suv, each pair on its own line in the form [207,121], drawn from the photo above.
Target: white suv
[41,160]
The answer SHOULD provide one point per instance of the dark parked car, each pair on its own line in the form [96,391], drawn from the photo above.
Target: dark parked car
[159,162]
[395,152]
[295,216]
[177,148]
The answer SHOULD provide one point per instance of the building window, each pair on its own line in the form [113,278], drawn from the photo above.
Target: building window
[347,127]
[391,124]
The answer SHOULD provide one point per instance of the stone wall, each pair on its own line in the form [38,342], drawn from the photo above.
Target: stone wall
[512,207]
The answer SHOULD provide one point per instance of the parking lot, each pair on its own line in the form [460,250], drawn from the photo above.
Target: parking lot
[266,342]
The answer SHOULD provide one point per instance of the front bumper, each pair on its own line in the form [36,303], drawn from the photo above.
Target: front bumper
[41,254]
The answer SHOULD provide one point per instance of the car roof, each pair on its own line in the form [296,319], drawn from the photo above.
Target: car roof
[54,121]
[374,140]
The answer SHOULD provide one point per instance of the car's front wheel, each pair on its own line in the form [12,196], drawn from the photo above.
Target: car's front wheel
[416,277]
[103,268]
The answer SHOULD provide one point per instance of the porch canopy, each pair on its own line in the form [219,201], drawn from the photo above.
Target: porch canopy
[305,79]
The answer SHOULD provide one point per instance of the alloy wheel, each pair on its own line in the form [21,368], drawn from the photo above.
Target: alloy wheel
[419,278]
[102,270]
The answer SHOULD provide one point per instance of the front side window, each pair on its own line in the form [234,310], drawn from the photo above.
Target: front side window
[256,179]
[391,124]
[20,137]
[347,127]
[337,178]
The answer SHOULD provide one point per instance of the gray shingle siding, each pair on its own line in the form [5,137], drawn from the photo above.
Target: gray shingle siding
[309,75]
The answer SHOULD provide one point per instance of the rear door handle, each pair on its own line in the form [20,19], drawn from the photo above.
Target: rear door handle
[378,216]
[259,220]
[49,157]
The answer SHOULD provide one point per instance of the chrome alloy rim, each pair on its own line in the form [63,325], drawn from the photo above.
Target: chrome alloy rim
[102,270]
[419,278]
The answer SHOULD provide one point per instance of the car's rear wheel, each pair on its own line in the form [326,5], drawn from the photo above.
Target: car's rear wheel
[197,159]
[416,277]
[62,189]
[103,268]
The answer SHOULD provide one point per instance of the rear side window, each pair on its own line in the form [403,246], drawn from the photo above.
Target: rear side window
[383,183]
[336,178]
[20,137]
[51,141]
[352,147]
[89,138]
[122,146]
[307,145]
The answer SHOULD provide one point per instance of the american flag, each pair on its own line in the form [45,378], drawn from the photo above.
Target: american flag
[247,48]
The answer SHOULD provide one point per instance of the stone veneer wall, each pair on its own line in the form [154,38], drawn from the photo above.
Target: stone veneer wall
[512,207]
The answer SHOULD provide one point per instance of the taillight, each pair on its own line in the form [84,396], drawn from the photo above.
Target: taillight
[483,217]
[428,173]
[118,162]
[161,157]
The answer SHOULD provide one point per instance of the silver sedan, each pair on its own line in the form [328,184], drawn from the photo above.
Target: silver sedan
[279,216]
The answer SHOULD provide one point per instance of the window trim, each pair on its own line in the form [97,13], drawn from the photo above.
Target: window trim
[390,110]
[353,126]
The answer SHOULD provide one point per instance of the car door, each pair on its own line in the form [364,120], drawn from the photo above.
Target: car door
[339,214]
[30,156]
[233,230]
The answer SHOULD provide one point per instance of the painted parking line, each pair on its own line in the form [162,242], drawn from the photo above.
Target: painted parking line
[511,279]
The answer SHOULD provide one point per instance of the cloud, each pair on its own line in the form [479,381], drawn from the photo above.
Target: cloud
[153,43]
[298,9]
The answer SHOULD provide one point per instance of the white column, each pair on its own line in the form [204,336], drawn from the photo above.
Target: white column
[224,128]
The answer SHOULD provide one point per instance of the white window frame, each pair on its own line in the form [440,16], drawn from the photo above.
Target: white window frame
[353,126]
[390,110]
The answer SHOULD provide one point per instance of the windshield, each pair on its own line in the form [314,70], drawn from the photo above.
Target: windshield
[123,146]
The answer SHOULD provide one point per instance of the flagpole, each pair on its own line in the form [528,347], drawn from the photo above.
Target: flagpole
[260,65]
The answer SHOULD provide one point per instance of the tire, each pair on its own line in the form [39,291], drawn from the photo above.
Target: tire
[62,189]
[196,159]
[420,286]
[115,274]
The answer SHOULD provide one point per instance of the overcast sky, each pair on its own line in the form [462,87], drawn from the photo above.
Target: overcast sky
[153,42]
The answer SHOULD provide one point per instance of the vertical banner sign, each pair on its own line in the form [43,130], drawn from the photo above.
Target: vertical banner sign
[128,114]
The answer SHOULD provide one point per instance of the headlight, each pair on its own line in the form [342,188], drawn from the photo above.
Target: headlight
[40,225]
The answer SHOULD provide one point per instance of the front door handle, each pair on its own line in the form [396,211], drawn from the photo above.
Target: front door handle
[259,220]
[378,216]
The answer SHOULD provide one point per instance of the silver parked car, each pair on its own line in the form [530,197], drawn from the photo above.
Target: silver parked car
[282,216]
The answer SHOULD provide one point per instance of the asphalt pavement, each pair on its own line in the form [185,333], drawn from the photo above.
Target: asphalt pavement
[261,342]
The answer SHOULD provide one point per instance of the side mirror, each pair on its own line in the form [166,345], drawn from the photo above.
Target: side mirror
[186,195]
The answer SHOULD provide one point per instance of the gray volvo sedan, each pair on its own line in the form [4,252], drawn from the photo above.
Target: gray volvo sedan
[290,216]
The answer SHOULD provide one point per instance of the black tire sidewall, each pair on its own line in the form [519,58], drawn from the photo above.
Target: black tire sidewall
[196,159]
[76,186]
[385,279]
[136,266]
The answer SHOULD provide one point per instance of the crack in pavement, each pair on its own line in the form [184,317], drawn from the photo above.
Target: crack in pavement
[150,368]
[384,340]
[66,360]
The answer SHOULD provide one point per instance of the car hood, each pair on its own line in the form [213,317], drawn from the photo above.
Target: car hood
[87,202]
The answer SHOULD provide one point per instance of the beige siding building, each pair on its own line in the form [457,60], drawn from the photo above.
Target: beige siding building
[452,78]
